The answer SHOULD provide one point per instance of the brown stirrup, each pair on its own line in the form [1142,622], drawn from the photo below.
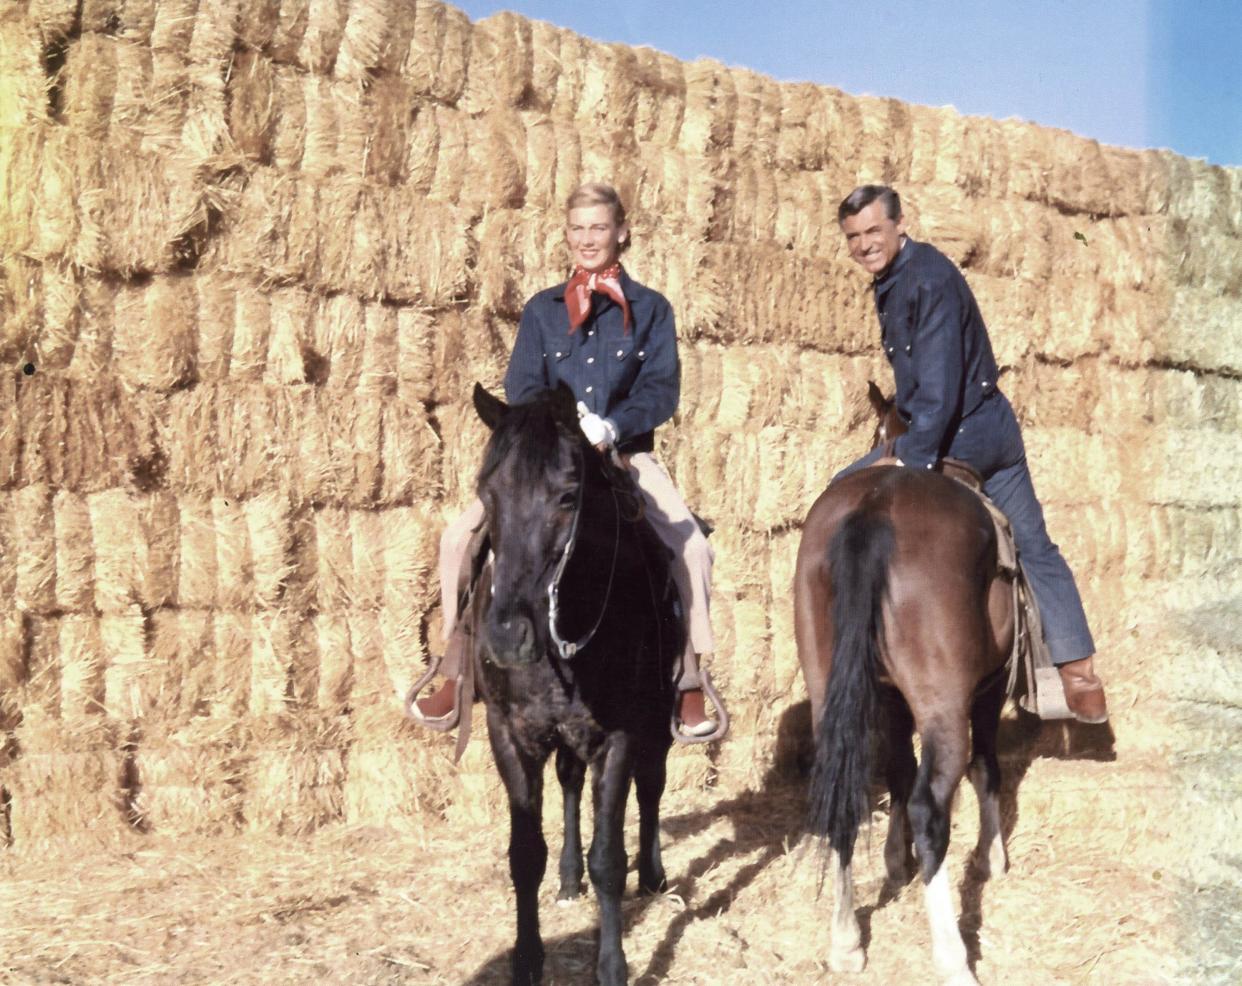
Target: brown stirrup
[722,717]
[441,724]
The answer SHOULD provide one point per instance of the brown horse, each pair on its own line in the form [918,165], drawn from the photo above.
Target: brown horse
[904,622]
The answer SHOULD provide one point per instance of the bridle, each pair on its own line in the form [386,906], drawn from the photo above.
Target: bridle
[568,648]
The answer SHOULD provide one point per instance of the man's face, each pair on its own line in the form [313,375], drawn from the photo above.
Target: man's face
[872,238]
[594,237]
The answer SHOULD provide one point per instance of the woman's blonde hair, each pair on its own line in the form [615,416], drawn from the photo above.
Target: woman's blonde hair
[597,193]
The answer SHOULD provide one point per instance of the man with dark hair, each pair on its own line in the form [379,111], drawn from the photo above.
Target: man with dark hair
[935,339]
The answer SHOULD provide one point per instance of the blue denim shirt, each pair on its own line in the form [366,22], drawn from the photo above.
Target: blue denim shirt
[632,378]
[935,339]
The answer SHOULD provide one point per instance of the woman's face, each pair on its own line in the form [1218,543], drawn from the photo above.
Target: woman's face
[594,237]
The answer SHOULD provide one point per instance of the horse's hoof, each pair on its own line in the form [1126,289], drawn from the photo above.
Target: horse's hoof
[656,886]
[855,960]
[567,900]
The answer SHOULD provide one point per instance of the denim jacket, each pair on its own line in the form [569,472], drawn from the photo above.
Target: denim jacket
[631,377]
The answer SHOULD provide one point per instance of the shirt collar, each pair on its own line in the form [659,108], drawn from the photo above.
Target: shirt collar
[886,277]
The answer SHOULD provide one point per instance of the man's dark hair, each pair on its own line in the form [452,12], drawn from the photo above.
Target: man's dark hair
[863,196]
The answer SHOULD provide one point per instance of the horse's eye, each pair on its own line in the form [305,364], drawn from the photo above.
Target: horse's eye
[567,501]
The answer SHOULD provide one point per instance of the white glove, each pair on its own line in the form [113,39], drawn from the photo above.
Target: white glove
[598,431]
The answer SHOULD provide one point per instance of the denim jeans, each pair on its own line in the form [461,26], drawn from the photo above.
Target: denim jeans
[991,441]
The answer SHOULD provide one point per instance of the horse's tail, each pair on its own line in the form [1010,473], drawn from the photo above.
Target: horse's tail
[858,558]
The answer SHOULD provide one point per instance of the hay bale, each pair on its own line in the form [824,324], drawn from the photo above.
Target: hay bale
[32,515]
[89,77]
[365,589]
[394,782]
[389,111]
[711,108]
[886,140]
[335,652]
[288,126]
[376,38]
[324,27]
[252,105]
[278,669]
[74,558]
[234,564]
[802,143]
[130,677]
[61,289]
[758,115]
[295,776]
[439,52]
[661,102]
[412,452]
[53,19]
[497,175]
[430,250]
[416,329]
[23,99]
[190,782]
[12,661]
[608,102]
[153,333]
[288,353]
[501,62]
[82,665]
[64,789]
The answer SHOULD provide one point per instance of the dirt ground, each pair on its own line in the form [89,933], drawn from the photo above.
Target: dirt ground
[1125,868]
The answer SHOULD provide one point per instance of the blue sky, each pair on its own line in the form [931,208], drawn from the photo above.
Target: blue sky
[1135,73]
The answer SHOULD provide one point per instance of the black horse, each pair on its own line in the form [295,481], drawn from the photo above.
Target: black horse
[578,642]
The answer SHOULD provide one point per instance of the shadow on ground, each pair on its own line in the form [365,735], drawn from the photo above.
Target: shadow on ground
[770,819]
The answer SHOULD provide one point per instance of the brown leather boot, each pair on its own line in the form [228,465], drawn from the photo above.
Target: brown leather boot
[692,718]
[440,706]
[1084,692]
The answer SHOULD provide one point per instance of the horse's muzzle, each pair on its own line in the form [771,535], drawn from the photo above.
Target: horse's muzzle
[510,640]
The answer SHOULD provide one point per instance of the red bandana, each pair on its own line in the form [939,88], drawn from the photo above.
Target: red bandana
[583,284]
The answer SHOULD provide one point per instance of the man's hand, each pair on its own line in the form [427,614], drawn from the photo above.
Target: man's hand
[600,432]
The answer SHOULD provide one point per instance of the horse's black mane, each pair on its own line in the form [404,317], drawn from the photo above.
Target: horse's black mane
[532,433]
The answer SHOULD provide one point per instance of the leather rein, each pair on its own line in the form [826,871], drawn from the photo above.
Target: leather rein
[569,648]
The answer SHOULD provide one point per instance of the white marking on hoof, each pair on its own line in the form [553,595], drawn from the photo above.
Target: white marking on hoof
[846,954]
[854,960]
[948,949]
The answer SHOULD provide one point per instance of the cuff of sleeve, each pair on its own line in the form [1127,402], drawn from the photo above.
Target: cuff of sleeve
[610,427]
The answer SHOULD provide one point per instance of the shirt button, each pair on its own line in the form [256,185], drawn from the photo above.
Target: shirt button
[590,359]
[558,355]
[986,385]
[620,352]
[589,389]
[590,332]
[641,354]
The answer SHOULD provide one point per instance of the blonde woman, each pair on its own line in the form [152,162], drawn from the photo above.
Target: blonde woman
[614,343]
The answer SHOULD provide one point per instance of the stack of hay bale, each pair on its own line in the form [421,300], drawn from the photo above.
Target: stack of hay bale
[254,256]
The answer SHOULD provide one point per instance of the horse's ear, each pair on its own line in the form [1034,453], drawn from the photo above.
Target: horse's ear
[491,409]
[877,398]
[566,405]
